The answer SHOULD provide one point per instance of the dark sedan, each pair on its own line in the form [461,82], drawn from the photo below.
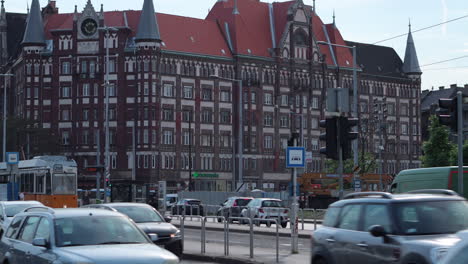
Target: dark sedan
[188,207]
[150,221]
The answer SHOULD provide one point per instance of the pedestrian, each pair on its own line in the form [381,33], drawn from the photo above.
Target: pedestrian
[153,201]
[21,196]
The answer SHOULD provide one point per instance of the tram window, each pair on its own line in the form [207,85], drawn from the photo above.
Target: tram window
[48,184]
[27,182]
[40,180]
[64,184]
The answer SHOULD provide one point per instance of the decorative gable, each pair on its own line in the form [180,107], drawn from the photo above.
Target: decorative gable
[88,23]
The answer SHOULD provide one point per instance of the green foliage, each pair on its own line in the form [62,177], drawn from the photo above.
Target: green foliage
[42,141]
[454,155]
[438,150]
[367,163]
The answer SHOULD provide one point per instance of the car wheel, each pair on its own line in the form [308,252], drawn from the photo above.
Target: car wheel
[319,261]
[268,224]
[256,222]
[284,224]
[218,214]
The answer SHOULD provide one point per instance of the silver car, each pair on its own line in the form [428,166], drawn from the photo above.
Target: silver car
[266,208]
[66,236]
[8,209]
[378,227]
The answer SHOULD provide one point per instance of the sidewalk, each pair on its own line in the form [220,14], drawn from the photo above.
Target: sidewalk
[240,255]
[235,227]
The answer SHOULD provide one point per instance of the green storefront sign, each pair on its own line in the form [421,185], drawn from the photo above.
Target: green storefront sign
[205,175]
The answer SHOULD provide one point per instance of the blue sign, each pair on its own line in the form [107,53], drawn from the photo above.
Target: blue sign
[295,157]
[12,157]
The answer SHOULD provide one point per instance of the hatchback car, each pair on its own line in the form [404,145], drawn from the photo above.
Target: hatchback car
[232,207]
[266,208]
[150,221]
[8,209]
[457,254]
[63,236]
[188,207]
[378,227]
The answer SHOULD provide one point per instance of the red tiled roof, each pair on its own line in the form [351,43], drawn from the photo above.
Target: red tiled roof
[250,30]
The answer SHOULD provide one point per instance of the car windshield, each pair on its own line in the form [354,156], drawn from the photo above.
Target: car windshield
[242,202]
[140,214]
[193,202]
[432,217]
[12,209]
[271,203]
[96,230]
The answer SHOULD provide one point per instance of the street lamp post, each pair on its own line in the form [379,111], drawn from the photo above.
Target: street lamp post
[106,113]
[355,99]
[5,112]
[240,140]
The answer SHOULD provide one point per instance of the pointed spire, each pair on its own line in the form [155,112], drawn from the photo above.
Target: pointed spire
[2,14]
[411,64]
[235,11]
[313,6]
[34,33]
[75,14]
[27,8]
[334,17]
[148,29]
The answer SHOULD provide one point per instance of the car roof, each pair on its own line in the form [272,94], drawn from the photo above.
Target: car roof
[125,204]
[20,202]
[398,198]
[236,197]
[268,199]
[74,212]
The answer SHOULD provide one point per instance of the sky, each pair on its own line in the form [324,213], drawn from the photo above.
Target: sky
[367,21]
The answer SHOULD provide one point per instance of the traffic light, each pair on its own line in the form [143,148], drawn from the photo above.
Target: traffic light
[447,113]
[330,138]
[108,182]
[347,135]
[291,139]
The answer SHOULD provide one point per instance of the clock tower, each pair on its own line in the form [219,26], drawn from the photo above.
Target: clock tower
[88,23]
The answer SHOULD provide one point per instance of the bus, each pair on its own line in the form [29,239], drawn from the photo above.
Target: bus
[51,180]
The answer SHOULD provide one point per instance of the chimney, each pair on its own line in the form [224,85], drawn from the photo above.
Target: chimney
[52,3]
[453,86]
[466,86]
[441,88]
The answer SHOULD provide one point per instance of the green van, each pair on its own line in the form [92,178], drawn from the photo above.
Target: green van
[430,178]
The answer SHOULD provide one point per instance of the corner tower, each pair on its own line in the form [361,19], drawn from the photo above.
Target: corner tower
[411,64]
[148,29]
[34,37]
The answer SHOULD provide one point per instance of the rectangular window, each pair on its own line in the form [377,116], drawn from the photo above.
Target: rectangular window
[207,116]
[225,96]
[188,92]
[187,116]
[85,137]
[85,114]
[225,141]
[145,113]
[284,100]
[284,121]
[114,161]
[268,142]
[153,136]
[314,123]
[225,117]
[207,94]
[92,68]
[145,161]
[36,92]
[65,115]
[111,66]
[168,137]
[268,99]
[146,88]
[168,90]
[145,136]
[315,103]
[315,144]
[84,67]
[404,129]
[86,91]
[186,138]
[206,140]
[65,68]
[153,161]
[65,138]
[304,101]
[268,120]
[253,97]
[168,114]
[66,92]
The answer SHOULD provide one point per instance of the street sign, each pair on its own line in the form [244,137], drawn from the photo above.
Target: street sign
[337,100]
[12,157]
[356,169]
[295,157]
[357,185]
[308,156]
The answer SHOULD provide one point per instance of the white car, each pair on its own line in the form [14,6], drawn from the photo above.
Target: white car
[8,209]
[457,254]
[266,208]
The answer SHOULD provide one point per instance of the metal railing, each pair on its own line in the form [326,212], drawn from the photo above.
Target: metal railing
[316,213]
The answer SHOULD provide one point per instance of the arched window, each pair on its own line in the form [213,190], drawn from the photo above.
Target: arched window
[300,38]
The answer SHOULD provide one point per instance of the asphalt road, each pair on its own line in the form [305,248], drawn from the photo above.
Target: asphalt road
[240,239]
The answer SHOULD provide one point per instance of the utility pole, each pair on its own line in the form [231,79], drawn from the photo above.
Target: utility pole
[190,151]
[98,163]
[295,207]
[355,114]
[5,112]
[460,141]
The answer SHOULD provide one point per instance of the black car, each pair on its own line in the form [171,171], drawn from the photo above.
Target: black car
[188,207]
[232,207]
[378,227]
[150,221]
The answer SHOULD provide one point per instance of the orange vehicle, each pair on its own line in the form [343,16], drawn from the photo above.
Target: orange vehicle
[322,184]
[51,180]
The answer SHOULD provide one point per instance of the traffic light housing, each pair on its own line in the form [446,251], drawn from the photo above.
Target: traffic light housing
[347,135]
[447,113]
[94,168]
[291,139]
[330,138]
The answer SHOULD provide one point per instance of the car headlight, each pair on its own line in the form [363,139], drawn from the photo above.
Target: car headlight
[176,234]
[438,253]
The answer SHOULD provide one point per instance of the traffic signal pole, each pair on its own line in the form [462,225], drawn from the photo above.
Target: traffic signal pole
[340,157]
[295,210]
[460,142]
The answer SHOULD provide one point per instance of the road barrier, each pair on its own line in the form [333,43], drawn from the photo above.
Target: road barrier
[316,214]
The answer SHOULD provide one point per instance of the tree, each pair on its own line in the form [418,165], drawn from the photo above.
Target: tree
[438,149]
[367,163]
[454,155]
[24,135]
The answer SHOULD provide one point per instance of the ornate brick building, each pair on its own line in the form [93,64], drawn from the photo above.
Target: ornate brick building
[163,98]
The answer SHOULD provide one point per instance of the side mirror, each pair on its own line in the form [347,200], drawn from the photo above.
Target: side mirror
[168,219]
[153,237]
[40,242]
[2,218]
[378,231]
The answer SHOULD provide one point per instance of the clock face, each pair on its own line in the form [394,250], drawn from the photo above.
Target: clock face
[89,27]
